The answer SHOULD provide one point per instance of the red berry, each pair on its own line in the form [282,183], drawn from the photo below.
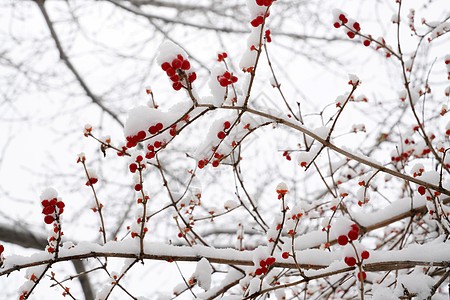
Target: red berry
[421,190]
[264,270]
[221,135]
[150,155]
[60,204]
[366,43]
[223,82]
[215,163]
[177,86]
[180,57]
[351,34]
[159,126]
[336,25]
[2,249]
[342,18]
[61,210]
[49,219]
[165,66]
[262,263]
[365,255]
[141,135]
[170,72]
[53,201]
[362,276]
[176,63]
[260,2]
[356,26]
[355,227]
[192,77]
[353,235]
[342,240]
[226,125]
[45,203]
[48,210]
[138,187]
[133,168]
[175,78]
[201,164]
[180,235]
[259,271]
[157,144]
[185,65]
[270,261]
[152,130]
[285,255]
[350,261]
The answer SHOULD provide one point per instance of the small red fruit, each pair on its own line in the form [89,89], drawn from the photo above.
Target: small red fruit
[133,168]
[270,261]
[176,63]
[159,126]
[366,43]
[49,219]
[141,135]
[262,263]
[165,66]
[157,144]
[137,187]
[185,65]
[421,190]
[259,271]
[353,235]
[221,135]
[362,276]
[342,240]
[365,255]
[177,86]
[48,210]
[215,163]
[350,261]
[351,34]
[285,255]
[226,125]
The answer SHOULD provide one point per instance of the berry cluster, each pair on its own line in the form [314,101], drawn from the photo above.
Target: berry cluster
[222,56]
[51,209]
[286,154]
[265,2]
[352,27]
[226,79]
[282,190]
[264,264]
[133,140]
[177,71]
[258,21]
[351,235]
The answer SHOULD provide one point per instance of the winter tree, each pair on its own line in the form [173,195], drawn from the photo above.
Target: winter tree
[238,150]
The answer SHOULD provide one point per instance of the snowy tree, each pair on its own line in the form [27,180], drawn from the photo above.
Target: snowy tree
[257,162]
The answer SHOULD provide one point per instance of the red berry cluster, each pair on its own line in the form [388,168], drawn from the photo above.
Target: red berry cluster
[352,27]
[265,2]
[177,71]
[264,264]
[226,79]
[222,56]
[257,21]
[51,209]
[351,235]
[351,261]
[133,140]
[286,154]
